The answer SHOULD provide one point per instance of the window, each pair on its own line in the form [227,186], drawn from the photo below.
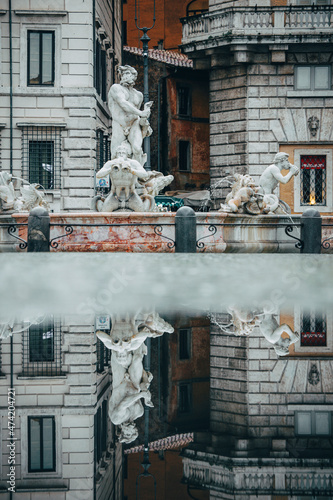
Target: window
[101,431]
[184,397]
[41,444]
[312,77]
[313,179]
[41,58]
[41,155]
[103,152]
[184,100]
[100,70]
[184,156]
[41,352]
[184,343]
[313,2]
[313,329]
[103,356]
[313,423]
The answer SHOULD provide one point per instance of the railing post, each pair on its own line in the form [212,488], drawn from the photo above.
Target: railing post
[38,230]
[311,231]
[186,230]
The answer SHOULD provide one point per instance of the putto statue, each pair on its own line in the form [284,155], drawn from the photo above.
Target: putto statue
[30,198]
[247,197]
[128,121]
[132,187]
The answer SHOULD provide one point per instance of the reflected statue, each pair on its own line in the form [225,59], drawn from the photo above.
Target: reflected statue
[245,321]
[130,384]
[129,333]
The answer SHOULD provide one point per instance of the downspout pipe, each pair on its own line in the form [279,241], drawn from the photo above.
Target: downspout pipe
[10,87]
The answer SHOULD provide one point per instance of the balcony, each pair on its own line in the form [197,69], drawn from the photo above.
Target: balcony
[257,25]
[273,477]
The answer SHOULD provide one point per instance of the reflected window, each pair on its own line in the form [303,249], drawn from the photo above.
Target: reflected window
[313,179]
[101,432]
[40,58]
[313,423]
[41,350]
[313,77]
[41,444]
[184,397]
[313,329]
[184,343]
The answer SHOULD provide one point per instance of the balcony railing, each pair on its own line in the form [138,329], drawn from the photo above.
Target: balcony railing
[268,480]
[263,21]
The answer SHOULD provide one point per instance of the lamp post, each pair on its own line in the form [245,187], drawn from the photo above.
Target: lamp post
[145,40]
[145,462]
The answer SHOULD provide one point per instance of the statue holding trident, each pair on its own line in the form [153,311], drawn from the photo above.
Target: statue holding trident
[129,123]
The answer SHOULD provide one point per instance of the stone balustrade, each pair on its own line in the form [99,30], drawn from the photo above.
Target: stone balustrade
[235,475]
[263,21]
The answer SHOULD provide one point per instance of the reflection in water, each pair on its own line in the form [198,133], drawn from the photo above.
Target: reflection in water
[244,392]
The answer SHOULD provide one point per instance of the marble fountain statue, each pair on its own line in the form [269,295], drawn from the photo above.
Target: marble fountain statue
[133,189]
[130,381]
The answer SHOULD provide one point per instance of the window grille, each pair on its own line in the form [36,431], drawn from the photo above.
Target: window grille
[184,100]
[184,156]
[42,349]
[103,151]
[184,343]
[41,156]
[103,356]
[313,180]
[313,329]
[41,58]
[41,444]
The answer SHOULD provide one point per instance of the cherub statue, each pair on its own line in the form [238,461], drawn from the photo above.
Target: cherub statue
[128,121]
[271,176]
[130,384]
[128,334]
[243,197]
[245,320]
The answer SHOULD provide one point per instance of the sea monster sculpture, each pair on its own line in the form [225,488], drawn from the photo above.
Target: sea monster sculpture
[30,198]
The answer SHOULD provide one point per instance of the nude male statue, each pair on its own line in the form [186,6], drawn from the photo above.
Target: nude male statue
[128,121]
[271,176]
[130,383]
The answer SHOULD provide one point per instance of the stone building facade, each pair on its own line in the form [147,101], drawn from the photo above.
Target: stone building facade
[270,66]
[58,60]
[65,443]
[270,420]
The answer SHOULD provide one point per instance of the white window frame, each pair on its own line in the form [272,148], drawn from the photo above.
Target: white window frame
[312,415]
[41,412]
[299,349]
[329,184]
[312,77]
[40,90]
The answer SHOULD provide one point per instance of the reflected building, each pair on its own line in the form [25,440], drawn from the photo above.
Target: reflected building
[65,444]
[270,416]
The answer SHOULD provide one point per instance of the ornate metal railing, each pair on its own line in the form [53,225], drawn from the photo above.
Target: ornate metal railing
[258,20]
[245,480]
